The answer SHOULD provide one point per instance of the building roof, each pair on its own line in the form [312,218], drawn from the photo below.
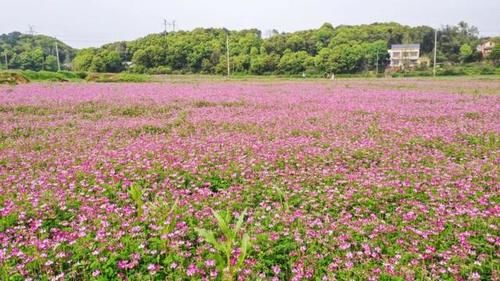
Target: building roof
[405,46]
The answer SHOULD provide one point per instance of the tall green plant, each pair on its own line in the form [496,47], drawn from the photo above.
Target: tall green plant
[135,192]
[164,212]
[231,240]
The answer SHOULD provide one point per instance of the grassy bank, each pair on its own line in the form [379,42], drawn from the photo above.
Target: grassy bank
[20,77]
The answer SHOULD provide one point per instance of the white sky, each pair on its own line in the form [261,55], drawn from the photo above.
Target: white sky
[82,23]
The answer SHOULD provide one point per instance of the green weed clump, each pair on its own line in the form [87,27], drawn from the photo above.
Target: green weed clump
[231,239]
[13,78]
[117,78]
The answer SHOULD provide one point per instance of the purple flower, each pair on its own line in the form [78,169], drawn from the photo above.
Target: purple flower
[276,269]
[192,269]
[210,263]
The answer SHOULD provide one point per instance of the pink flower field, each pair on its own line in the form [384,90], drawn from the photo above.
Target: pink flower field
[248,181]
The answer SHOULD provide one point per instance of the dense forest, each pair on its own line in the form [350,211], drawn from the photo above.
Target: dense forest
[33,52]
[341,49]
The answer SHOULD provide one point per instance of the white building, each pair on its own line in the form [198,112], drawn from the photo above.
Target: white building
[406,55]
[486,47]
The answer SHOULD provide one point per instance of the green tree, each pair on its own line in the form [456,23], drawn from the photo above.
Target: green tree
[98,64]
[83,60]
[241,63]
[494,57]
[32,60]
[465,52]
[31,51]
[50,63]
[141,60]
[452,38]
[294,63]
[112,61]
[264,64]
[371,52]
[295,43]
[341,59]
[324,35]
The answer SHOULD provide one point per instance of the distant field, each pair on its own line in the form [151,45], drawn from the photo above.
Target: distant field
[453,84]
[194,178]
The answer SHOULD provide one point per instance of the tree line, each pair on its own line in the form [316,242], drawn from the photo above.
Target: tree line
[328,49]
[33,52]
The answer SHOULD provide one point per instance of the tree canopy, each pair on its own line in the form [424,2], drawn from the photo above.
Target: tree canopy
[33,52]
[340,49]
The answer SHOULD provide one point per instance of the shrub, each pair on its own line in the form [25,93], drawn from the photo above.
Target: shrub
[452,71]
[117,78]
[159,70]
[45,76]
[487,70]
[13,78]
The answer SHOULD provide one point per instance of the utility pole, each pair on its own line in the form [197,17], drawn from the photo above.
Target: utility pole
[31,30]
[57,55]
[227,55]
[167,23]
[435,51]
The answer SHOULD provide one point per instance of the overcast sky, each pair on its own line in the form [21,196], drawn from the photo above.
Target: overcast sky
[83,23]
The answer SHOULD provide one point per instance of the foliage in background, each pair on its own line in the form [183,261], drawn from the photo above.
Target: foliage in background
[33,52]
[317,52]
[12,78]
[25,76]
[119,77]
[341,49]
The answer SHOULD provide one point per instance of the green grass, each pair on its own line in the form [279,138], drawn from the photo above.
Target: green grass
[471,69]
[12,78]
[25,76]
[61,76]
[118,77]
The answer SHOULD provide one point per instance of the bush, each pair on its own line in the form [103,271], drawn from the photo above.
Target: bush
[61,76]
[13,78]
[452,71]
[487,70]
[159,70]
[73,75]
[117,78]
[45,76]
[81,74]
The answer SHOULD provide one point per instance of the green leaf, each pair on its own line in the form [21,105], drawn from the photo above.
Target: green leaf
[240,221]
[223,224]
[245,246]
[210,238]
[174,207]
